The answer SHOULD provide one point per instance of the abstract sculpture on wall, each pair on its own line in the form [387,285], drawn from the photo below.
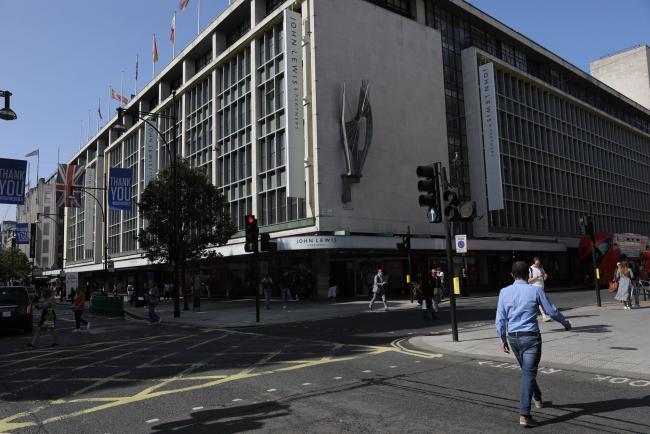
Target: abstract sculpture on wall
[356,138]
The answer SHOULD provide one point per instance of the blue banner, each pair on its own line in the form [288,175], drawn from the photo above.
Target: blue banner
[22,233]
[120,182]
[12,181]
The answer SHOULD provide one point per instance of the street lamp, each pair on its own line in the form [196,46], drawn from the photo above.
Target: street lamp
[143,115]
[7,113]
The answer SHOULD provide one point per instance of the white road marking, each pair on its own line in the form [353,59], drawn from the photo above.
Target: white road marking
[151,420]
[236,400]
[197,408]
[337,378]
[306,384]
[417,361]
[393,366]
[367,371]
[271,390]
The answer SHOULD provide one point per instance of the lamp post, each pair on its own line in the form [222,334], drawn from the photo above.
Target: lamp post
[6,112]
[143,115]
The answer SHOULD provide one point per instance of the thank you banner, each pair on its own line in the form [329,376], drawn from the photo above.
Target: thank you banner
[12,181]
[119,189]
[22,233]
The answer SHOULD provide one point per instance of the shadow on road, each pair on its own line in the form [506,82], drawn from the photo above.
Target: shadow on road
[227,420]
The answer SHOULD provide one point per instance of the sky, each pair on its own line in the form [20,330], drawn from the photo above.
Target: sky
[61,57]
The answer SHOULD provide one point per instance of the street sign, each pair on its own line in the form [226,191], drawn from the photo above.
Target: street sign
[432,215]
[461,243]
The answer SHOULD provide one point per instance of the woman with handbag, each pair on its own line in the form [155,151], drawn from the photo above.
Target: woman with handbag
[624,285]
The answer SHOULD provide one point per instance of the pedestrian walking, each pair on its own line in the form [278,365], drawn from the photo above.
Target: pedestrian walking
[518,329]
[624,291]
[154,295]
[426,296]
[634,277]
[285,288]
[78,307]
[48,318]
[267,285]
[536,277]
[379,289]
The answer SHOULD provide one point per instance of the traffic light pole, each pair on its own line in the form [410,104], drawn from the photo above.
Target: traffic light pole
[593,259]
[450,265]
[256,285]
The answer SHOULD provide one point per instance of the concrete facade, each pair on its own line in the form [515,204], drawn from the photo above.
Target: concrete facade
[627,71]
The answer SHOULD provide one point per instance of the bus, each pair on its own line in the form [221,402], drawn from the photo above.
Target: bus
[609,247]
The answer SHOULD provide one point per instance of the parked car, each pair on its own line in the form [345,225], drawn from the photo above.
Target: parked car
[15,308]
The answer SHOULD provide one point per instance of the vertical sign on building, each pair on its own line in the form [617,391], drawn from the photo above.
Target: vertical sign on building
[491,148]
[22,233]
[295,148]
[32,240]
[89,212]
[119,189]
[12,181]
[150,154]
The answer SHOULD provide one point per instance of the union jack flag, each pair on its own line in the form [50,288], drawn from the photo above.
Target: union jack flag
[68,181]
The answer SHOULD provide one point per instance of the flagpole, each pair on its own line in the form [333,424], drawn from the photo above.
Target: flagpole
[198,17]
[153,73]
[88,124]
[38,163]
[99,110]
[174,41]
[110,107]
[81,134]
[135,88]
[122,87]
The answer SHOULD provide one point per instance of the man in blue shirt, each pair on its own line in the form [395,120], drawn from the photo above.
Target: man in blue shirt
[518,330]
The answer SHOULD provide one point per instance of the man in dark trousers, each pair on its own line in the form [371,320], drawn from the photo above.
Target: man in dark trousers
[430,289]
[517,327]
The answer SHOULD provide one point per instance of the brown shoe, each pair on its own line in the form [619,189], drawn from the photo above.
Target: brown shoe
[538,404]
[527,421]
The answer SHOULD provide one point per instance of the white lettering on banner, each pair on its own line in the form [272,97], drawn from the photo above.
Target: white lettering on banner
[491,148]
[295,147]
[502,365]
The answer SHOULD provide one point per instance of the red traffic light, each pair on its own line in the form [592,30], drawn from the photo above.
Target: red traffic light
[251,219]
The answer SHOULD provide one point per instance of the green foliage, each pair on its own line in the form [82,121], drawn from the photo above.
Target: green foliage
[201,211]
[14,265]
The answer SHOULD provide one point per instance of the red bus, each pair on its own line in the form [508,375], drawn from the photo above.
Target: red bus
[609,246]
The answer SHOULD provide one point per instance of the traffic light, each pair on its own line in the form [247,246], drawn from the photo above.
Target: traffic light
[430,186]
[252,231]
[455,210]
[266,245]
[406,242]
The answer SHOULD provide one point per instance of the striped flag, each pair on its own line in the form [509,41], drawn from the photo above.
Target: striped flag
[172,32]
[155,50]
[182,5]
[118,97]
[68,182]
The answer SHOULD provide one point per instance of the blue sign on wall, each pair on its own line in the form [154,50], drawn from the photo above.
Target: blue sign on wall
[12,181]
[22,233]
[119,189]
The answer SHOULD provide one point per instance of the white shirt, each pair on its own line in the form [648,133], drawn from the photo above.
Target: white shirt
[537,272]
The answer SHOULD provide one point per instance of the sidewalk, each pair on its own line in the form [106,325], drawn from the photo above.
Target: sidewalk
[602,338]
[241,313]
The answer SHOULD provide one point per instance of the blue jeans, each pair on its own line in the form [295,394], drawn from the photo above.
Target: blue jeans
[267,297]
[528,351]
[153,316]
[286,295]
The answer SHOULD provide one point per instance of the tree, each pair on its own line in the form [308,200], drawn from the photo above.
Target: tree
[201,215]
[14,265]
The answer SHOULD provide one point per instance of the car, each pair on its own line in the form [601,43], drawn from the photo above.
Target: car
[15,308]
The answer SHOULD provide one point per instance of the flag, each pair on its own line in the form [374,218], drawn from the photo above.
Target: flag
[32,154]
[155,50]
[118,97]
[172,33]
[182,5]
[99,108]
[69,181]
[136,67]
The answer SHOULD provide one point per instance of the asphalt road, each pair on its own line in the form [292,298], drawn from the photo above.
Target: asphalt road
[338,375]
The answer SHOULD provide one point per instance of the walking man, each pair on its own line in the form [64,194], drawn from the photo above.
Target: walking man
[78,307]
[285,288]
[536,277]
[154,295]
[378,289]
[48,318]
[518,329]
[267,285]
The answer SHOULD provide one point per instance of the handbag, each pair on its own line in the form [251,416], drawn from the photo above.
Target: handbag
[613,286]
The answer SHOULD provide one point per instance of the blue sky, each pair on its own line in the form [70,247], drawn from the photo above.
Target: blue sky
[62,56]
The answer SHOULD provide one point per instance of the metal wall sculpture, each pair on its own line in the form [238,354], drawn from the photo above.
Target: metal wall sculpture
[360,127]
